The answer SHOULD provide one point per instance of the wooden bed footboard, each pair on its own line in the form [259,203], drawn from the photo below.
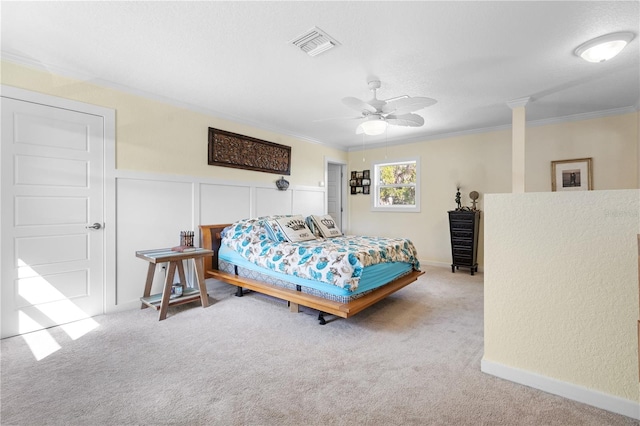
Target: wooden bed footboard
[211,239]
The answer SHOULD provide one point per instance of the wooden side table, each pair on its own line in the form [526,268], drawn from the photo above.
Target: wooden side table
[162,301]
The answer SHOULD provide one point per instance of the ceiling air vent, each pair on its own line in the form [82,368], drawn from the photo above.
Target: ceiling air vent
[314,42]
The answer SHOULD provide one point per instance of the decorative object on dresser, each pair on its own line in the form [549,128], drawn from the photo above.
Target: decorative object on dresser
[228,149]
[463,229]
[474,198]
[360,182]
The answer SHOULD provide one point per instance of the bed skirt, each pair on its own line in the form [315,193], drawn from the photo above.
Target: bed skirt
[257,275]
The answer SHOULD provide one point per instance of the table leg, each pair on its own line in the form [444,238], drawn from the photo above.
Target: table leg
[168,282]
[202,285]
[183,280]
[147,286]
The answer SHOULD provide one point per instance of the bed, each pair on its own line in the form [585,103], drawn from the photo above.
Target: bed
[308,262]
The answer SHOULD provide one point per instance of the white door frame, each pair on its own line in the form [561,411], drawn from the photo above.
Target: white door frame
[343,185]
[109,116]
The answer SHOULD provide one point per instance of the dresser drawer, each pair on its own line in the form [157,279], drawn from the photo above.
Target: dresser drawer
[461,216]
[462,234]
[462,260]
[460,225]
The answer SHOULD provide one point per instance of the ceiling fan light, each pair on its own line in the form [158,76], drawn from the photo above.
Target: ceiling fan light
[374,126]
[603,48]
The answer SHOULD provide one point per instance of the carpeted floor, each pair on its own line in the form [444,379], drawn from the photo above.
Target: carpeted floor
[412,359]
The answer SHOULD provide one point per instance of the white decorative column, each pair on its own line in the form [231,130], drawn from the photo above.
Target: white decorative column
[518,127]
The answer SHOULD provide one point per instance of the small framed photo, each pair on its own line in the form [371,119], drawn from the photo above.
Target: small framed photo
[572,175]
[365,189]
[353,189]
[366,181]
[359,175]
[358,189]
[353,174]
[353,182]
[365,174]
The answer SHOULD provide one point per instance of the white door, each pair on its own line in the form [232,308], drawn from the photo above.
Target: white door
[334,193]
[52,261]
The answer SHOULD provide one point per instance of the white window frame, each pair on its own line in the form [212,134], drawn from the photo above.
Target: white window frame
[375,187]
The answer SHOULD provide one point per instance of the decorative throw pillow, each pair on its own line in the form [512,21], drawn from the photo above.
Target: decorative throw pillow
[295,229]
[327,226]
[273,230]
[312,226]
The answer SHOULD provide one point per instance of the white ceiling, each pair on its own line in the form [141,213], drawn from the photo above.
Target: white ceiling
[233,59]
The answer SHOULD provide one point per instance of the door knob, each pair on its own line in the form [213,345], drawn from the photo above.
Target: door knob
[95,226]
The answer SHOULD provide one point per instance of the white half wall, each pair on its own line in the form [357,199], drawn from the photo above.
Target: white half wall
[561,292]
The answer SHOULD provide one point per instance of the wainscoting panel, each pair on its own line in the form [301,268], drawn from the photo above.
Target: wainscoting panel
[309,201]
[224,203]
[151,213]
[270,201]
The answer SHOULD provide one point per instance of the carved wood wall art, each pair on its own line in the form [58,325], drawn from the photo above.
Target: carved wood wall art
[228,149]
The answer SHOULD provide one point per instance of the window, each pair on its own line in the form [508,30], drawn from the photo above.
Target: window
[396,186]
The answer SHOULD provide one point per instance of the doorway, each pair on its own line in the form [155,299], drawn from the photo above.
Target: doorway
[336,193]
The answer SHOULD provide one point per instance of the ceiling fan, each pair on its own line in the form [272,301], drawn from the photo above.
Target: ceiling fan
[377,113]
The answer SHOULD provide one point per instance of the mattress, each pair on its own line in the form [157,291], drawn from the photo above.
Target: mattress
[373,277]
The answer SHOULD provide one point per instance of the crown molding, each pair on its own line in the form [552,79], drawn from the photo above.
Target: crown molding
[516,103]
[531,123]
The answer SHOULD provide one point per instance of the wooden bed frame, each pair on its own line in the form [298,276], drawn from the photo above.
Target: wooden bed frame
[211,239]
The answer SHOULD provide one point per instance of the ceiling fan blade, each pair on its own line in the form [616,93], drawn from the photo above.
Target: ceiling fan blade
[407,120]
[358,104]
[406,105]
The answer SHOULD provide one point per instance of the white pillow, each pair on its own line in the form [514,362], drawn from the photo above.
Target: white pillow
[327,226]
[295,229]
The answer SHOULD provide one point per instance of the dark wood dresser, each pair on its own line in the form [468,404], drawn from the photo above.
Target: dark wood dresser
[463,227]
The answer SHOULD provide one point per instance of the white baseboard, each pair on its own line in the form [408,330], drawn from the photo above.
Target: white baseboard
[446,265]
[566,390]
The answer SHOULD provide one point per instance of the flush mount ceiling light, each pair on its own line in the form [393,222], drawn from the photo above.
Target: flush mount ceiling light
[375,125]
[605,47]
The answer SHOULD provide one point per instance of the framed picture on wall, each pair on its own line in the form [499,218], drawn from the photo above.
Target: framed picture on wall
[572,175]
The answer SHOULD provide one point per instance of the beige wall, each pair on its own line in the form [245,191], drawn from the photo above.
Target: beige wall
[561,287]
[154,136]
[612,142]
[482,162]
[479,162]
